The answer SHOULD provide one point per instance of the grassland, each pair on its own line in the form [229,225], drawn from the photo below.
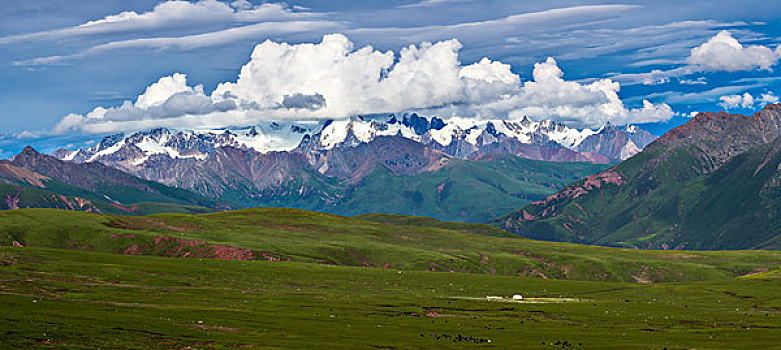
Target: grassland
[73,299]
[417,244]
[375,281]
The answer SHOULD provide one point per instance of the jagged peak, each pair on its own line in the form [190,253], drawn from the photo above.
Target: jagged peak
[159,131]
[29,150]
[326,134]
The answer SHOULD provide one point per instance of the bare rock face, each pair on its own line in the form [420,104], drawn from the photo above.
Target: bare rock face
[615,143]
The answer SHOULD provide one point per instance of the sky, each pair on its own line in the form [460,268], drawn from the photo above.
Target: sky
[72,71]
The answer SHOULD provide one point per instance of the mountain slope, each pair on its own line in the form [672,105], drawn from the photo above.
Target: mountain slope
[15,197]
[368,178]
[461,190]
[32,179]
[708,184]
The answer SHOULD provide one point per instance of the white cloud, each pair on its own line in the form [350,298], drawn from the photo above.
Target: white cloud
[737,101]
[163,89]
[190,42]
[351,81]
[768,97]
[550,96]
[698,81]
[169,98]
[172,14]
[300,22]
[724,53]
[26,134]
[431,3]
[531,23]
[332,79]
[721,53]
[241,4]
[747,101]
[70,122]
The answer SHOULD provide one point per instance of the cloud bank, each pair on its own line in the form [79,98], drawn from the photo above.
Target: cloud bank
[333,79]
[172,14]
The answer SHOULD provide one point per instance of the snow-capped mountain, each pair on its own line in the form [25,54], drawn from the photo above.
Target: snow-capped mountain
[460,138]
[320,165]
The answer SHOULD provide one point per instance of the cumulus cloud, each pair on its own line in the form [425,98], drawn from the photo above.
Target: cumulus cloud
[333,79]
[172,14]
[724,53]
[747,101]
[351,81]
[721,53]
[549,95]
[768,97]
[169,97]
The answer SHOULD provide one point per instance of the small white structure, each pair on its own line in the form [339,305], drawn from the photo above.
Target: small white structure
[517,297]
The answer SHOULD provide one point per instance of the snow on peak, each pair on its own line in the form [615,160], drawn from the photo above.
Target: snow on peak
[287,136]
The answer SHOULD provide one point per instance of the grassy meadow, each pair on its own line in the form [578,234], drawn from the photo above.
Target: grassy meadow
[321,281]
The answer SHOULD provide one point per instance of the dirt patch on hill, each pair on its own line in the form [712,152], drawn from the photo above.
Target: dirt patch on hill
[126,208]
[185,248]
[679,256]
[201,325]
[145,223]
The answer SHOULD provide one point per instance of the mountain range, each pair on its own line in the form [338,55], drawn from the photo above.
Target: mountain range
[458,138]
[347,166]
[713,183]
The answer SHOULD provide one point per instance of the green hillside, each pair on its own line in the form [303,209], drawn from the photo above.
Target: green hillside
[303,236]
[735,207]
[468,191]
[16,196]
[714,183]
[425,221]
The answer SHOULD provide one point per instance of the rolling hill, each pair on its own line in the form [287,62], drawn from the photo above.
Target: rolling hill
[379,240]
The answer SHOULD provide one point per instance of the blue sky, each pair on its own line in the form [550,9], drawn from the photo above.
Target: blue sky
[59,58]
